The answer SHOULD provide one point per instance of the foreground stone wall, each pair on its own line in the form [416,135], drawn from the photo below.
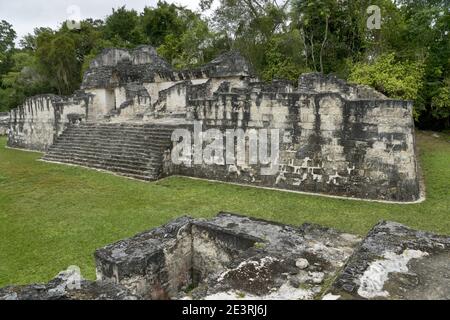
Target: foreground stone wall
[36,124]
[215,259]
[233,257]
[396,262]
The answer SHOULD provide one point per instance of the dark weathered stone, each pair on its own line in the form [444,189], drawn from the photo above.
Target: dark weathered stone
[68,286]
[234,257]
[396,262]
[316,82]
[224,256]
[131,150]
[41,119]
[116,67]
[4,123]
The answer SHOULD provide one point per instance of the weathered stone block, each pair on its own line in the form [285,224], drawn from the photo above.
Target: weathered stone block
[226,255]
[396,262]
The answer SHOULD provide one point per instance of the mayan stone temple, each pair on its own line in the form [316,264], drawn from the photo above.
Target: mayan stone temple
[335,138]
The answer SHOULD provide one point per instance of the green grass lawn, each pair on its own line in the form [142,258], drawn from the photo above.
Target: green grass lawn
[53,216]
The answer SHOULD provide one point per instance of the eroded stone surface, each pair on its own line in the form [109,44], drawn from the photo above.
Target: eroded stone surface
[236,257]
[396,262]
[4,123]
[227,256]
[68,286]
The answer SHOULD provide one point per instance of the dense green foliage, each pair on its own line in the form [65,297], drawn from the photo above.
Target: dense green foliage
[53,216]
[398,79]
[408,57]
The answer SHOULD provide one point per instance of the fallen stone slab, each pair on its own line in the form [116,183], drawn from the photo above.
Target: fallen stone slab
[396,262]
[68,285]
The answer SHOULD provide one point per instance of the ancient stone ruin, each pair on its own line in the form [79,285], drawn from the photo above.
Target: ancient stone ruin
[334,138]
[4,123]
[397,262]
[236,257]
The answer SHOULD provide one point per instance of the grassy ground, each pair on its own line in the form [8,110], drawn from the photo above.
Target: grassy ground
[53,216]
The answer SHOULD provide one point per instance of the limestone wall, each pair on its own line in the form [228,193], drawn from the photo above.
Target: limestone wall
[103,102]
[37,123]
[317,82]
[155,88]
[329,143]
[173,100]
[4,123]
[133,101]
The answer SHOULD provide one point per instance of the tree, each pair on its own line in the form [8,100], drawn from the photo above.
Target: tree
[440,104]
[57,55]
[122,28]
[183,38]
[397,79]
[249,25]
[7,37]
[164,20]
[29,41]
[334,33]
[407,58]
[281,59]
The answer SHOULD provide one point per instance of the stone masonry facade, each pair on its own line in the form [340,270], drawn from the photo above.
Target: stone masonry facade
[335,138]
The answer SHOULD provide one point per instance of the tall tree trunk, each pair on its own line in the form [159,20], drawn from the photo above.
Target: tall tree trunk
[312,52]
[325,38]
[305,45]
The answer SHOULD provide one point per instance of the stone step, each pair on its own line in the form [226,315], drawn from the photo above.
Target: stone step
[140,140]
[124,125]
[120,130]
[130,150]
[111,142]
[115,153]
[140,162]
[143,177]
[110,148]
[108,154]
[113,131]
[102,164]
[123,136]
[126,128]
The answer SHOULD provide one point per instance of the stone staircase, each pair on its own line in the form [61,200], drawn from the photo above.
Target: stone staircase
[131,150]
